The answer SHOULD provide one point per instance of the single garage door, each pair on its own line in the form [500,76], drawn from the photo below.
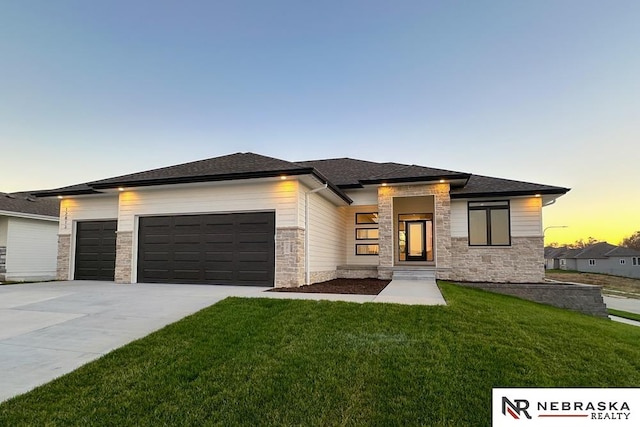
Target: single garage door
[225,249]
[95,250]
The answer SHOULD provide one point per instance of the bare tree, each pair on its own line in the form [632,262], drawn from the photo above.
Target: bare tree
[581,243]
[632,241]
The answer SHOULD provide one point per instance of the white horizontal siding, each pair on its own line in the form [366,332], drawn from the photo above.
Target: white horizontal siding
[360,197]
[526,217]
[32,248]
[278,196]
[352,258]
[459,226]
[326,234]
[86,208]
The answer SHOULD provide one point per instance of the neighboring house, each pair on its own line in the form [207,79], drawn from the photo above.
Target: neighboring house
[600,257]
[250,219]
[28,237]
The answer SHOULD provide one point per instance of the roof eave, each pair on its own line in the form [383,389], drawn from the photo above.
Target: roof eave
[405,180]
[201,178]
[55,193]
[558,192]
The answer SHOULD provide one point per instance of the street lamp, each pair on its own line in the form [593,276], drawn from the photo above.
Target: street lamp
[553,226]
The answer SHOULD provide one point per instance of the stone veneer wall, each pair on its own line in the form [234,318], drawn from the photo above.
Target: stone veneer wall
[357,272]
[289,257]
[522,262]
[442,221]
[586,299]
[64,257]
[124,252]
[322,276]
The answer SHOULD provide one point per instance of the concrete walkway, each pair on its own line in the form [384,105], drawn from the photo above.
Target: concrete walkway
[410,292]
[630,305]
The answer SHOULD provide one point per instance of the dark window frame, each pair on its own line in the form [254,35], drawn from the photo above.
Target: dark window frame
[367,244]
[488,210]
[367,238]
[592,261]
[365,213]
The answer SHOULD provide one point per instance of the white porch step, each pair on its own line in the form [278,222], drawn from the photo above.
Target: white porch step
[414,274]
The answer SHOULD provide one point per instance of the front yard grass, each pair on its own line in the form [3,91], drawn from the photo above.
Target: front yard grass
[285,362]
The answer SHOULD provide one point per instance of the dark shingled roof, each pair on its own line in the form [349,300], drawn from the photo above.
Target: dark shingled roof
[232,165]
[353,173]
[623,252]
[339,174]
[486,186]
[597,250]
[24,202]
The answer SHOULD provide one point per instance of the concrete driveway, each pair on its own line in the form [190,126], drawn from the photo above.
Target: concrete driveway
[50,329]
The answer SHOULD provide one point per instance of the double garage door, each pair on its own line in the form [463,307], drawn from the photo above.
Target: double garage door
[225,249]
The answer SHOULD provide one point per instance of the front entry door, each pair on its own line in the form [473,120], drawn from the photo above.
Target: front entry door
[416,241]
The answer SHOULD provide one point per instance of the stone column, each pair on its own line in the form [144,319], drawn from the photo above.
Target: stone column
[64,257]
[289,257]
[124,253]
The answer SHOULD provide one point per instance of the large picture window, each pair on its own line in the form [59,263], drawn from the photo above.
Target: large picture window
[489,223]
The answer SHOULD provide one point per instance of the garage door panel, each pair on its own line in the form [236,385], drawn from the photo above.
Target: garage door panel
[95,252]
[214,249]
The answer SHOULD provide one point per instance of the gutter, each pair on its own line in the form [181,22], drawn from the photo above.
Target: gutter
[307,273]
[30,216]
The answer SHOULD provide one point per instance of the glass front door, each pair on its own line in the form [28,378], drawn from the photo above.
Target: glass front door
[416,248]
[415,237]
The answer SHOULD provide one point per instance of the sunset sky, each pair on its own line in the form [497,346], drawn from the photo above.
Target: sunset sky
[540,91]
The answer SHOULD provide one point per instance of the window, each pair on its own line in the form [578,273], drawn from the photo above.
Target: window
[563,262]
[369,249]
[367,218]
[623,262]
[366,234]
[636,261]
[489,223]
[592,262]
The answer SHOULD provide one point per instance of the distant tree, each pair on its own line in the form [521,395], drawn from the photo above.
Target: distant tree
[554,245]
[581,243]
[632,241]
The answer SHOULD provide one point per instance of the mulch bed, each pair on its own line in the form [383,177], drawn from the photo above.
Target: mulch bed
[341,286]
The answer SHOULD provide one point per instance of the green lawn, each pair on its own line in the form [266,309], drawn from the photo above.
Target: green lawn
[285,362]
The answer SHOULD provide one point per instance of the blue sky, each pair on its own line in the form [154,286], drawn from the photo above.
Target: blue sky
[542,91]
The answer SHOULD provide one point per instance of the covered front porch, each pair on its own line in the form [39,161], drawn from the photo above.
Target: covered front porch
[408,235]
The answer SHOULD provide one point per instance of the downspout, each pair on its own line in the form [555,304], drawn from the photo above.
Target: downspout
[307,273]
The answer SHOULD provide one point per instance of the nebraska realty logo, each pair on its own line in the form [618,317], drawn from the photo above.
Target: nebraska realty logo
[566,407]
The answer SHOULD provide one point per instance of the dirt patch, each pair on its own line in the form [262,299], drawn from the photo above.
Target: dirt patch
[610,284]
[341,286]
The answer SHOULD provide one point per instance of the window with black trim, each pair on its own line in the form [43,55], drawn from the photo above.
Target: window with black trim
[592,262]
[366,234]
[622,261]
[367,229]
[489,223]
[367,218]
[367,249]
